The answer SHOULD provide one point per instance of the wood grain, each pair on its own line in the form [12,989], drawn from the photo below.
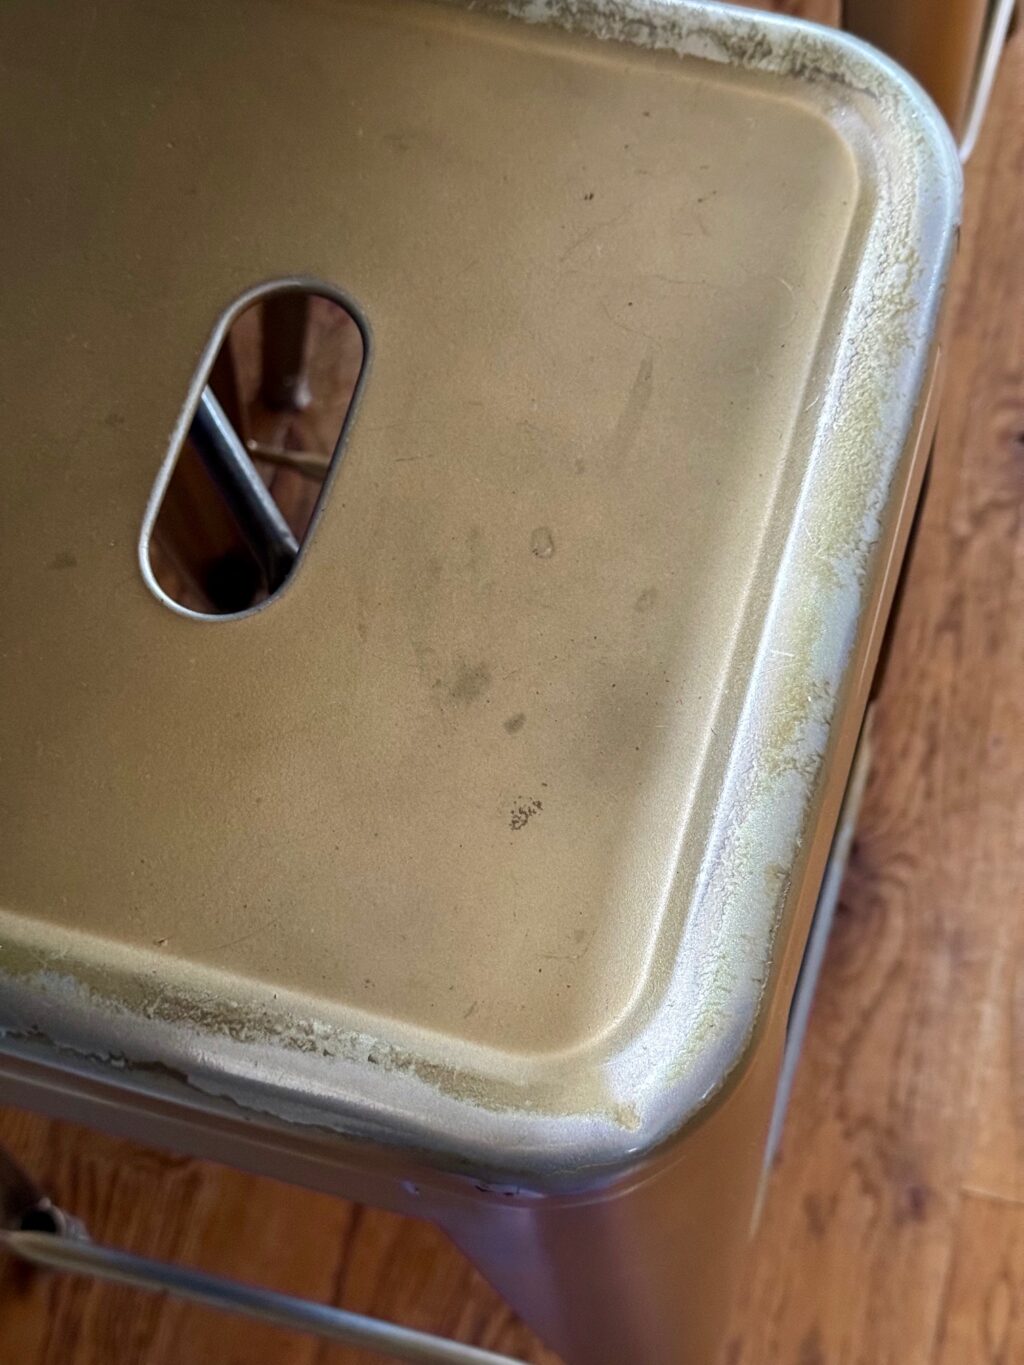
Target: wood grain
[983,1317]
[881,1241]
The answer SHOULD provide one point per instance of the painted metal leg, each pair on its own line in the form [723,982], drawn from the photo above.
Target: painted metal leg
[645,1273]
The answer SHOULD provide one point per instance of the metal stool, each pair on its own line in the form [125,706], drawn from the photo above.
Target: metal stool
[469,876]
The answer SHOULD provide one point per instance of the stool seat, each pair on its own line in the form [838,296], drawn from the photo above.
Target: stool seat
[495,835]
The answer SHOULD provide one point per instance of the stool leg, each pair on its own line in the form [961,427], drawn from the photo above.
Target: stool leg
[24,1206]
[646,1273]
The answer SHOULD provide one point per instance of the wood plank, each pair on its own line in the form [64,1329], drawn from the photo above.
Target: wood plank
[983,1313]
[996,1164]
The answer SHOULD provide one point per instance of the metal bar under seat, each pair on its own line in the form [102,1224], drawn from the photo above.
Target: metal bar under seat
[249,500]
[82,1257]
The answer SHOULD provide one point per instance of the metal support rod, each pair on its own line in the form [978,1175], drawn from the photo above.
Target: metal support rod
[259,518]
[1000,17]
[214,1291]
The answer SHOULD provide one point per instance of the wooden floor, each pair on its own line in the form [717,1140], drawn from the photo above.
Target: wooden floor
[894,1228]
